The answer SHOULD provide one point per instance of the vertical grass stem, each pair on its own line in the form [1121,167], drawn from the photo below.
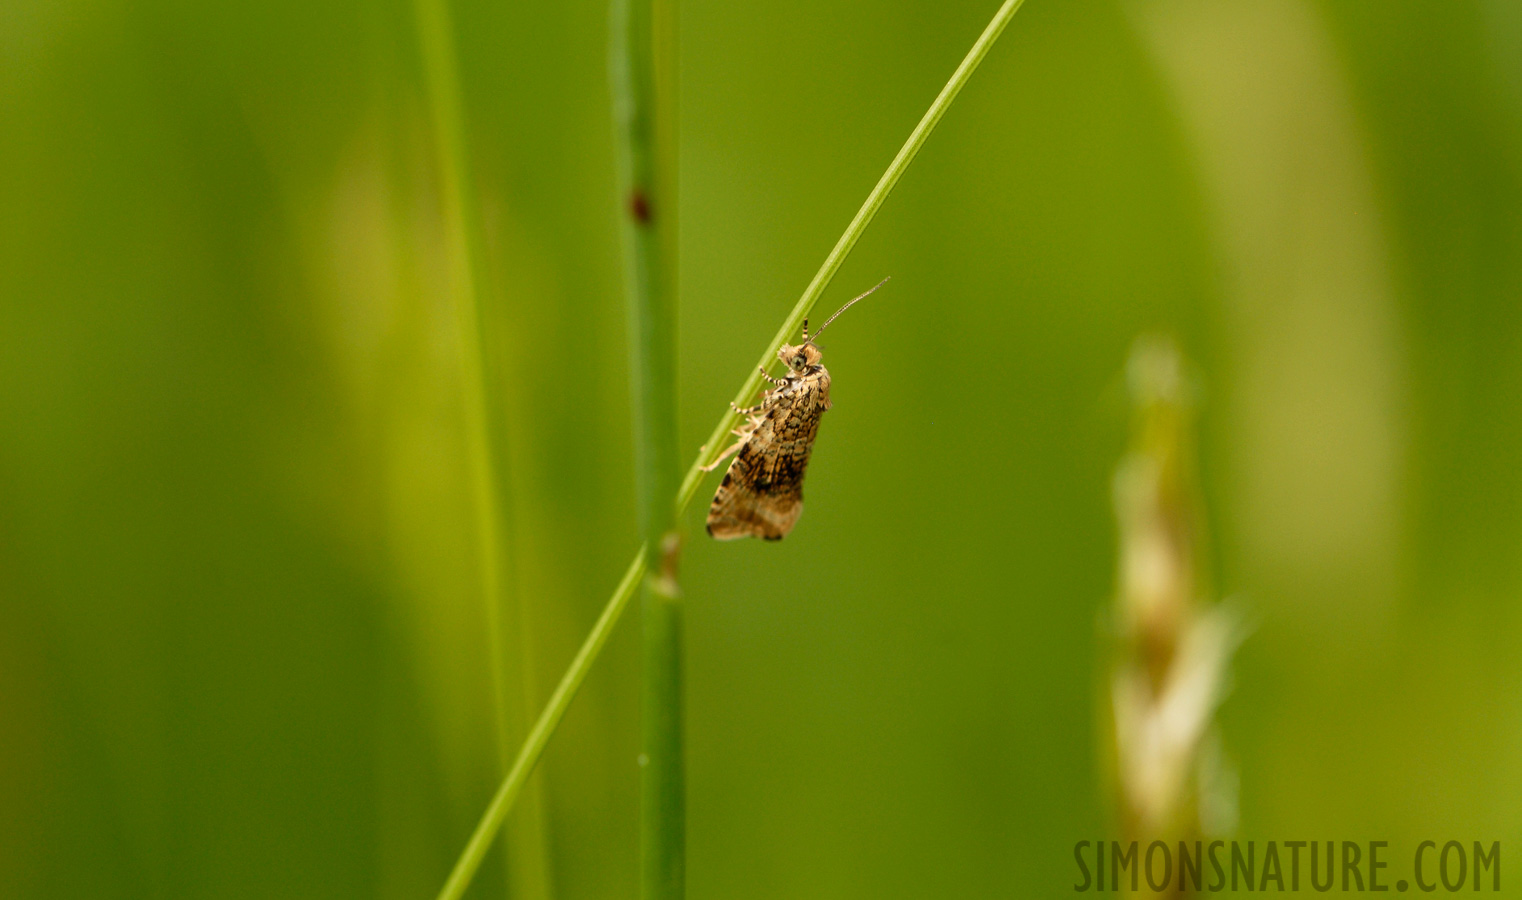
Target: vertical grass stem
[642,71]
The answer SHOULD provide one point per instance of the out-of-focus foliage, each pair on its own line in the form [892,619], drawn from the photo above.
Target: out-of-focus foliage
[241,638]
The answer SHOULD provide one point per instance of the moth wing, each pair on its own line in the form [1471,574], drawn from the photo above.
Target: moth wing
[762,492]
[749,502]
[742,513]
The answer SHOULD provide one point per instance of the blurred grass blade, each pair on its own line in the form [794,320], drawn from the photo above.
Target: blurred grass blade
[467,280]
[470,859]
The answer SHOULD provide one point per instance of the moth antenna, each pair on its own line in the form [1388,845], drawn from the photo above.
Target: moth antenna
[839,311]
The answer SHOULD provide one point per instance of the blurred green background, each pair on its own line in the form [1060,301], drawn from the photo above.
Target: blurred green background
[242,648]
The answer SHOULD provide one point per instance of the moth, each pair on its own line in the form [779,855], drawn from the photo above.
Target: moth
[762,492]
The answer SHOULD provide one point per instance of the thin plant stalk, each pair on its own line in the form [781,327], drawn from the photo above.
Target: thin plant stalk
[523,766]
[642,71]
[497,810]
[528,871]
[848,240]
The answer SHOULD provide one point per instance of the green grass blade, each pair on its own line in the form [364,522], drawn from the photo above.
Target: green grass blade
[853,233]
[523,766]
[642,69]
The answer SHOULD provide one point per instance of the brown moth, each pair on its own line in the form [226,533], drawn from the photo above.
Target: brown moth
[762,492]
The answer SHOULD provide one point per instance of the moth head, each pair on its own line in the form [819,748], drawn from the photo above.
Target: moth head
[801,358]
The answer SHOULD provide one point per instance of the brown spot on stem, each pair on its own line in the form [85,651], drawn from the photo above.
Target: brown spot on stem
[639,206]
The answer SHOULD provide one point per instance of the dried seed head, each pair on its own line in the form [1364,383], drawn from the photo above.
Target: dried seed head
[1174,650]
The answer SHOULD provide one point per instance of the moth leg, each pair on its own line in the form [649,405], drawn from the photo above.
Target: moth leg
[735,448]
[776,382]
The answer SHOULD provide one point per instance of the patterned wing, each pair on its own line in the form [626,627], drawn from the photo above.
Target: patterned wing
[762,492]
